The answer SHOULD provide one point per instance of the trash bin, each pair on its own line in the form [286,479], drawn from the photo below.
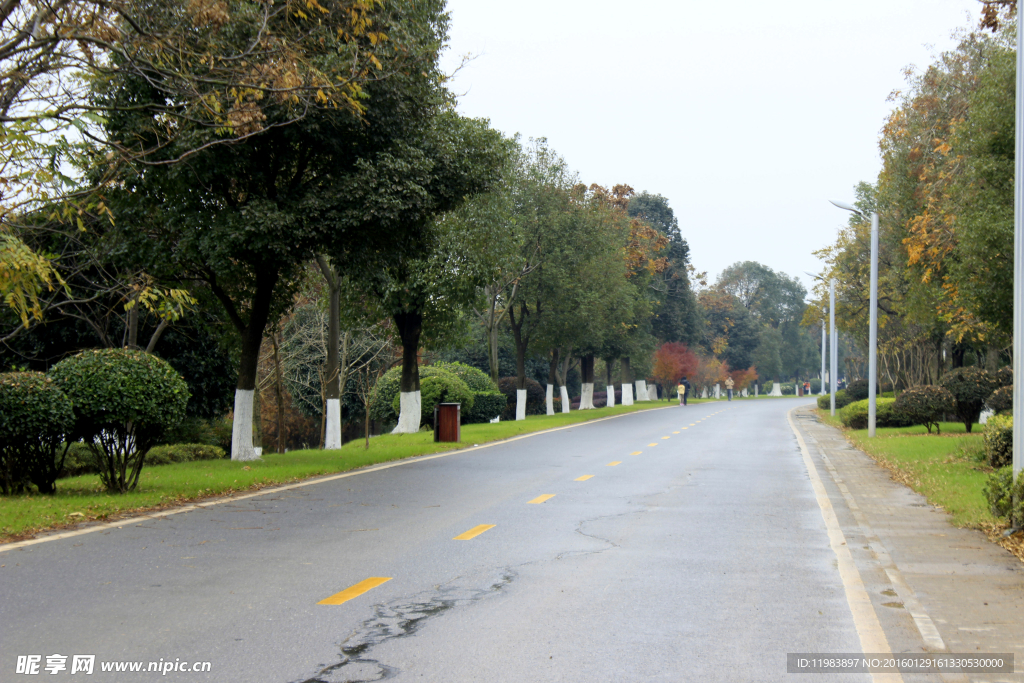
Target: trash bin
[447,419]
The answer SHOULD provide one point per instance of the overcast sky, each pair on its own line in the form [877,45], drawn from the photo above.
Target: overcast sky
[747,115]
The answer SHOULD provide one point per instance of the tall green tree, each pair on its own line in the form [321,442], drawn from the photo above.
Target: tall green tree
[241,219]
[676,312]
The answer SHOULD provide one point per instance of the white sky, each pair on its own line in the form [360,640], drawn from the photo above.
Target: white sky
[747,115]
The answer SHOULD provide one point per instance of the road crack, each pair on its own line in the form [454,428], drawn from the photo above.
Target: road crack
[400,618]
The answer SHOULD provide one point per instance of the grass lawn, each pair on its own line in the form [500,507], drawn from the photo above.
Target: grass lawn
[82,498]
[948,469]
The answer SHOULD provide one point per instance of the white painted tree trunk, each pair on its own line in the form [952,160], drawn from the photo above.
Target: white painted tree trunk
[410,413]
[520,404]
[718,391]
[985,415]
[332,438]
[627,394]
[744,393]
[564,393]
[641,390]
[550,399]
[652,392]
[704,394]
[241,427]
[610,390]
[776,389]
[755,391]
[587,396]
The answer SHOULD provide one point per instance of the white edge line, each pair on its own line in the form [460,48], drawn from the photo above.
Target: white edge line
[865,620]
[189,507]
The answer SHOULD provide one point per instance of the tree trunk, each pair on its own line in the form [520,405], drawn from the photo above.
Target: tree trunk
[492,353]
[992,358]
[252,338]
[627,382]
[609,386]
[587,390]
[959,350]
[332,418]
[279,390]
[522,341]
[410,326]
[552,380]
[563,374]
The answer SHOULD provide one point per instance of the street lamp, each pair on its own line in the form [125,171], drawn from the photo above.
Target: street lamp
[873,327]
[834,350]
[821,387]
[1018,269]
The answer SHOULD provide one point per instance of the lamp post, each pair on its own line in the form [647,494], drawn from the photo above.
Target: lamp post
[821,387]
[834,355]
[873,325]
[1018,269]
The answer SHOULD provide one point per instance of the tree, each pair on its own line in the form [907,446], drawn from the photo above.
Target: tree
[731,331]
[207,73]
[672,362]
[360,187]
[427,290]
[677,315]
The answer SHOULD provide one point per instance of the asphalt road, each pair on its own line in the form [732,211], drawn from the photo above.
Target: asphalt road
[696,551]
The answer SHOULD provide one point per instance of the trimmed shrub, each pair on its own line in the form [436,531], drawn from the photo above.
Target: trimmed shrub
[488,402]
[842,400]
[123,400]
[1001,400]
[999,440]
[476,379]
[924,405]
[35,417]
[486,407]
[438,387]
[1000,490]
[382,401]
[970,387]
[815,386]
[183,452]
[534,397]
[855,415]
[1004,376]
[858,389]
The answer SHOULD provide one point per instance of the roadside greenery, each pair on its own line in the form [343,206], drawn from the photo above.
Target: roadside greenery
[948,470]
[84,498]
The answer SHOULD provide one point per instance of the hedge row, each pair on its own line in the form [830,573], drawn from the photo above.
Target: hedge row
[855,415]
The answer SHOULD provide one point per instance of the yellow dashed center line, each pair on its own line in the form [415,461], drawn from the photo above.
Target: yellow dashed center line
[636,452]
[665,437]
[584,477]
[540,499]
[676,432]
[614,463]
[354,591]
[473,533]
[652,444]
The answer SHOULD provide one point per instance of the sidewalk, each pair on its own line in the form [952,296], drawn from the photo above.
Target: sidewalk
[934,587]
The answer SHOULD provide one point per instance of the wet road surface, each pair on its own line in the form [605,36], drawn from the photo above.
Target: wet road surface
[670,545]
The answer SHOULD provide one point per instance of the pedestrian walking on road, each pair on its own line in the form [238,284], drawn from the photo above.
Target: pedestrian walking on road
[684,389]
[729,384]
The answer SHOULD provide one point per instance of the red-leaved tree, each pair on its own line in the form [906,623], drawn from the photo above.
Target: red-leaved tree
[743,378]
[672,362]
